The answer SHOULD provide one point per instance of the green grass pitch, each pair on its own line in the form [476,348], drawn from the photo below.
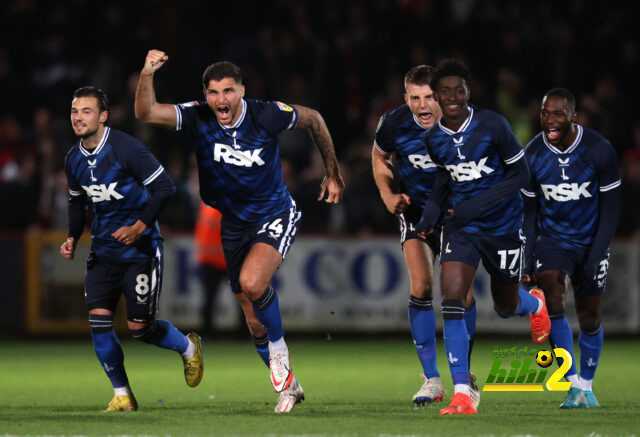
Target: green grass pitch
[352,388]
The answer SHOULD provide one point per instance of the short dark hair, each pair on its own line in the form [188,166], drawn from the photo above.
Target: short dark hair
[221,70]
[563,92]
[451,67]
[418,75]
[91,91]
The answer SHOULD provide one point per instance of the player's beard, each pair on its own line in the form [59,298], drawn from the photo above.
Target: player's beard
[88,133]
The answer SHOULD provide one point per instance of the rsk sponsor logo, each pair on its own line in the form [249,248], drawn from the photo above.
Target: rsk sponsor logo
[565,192]
[468,171]
[421,161]
[241,158]
[101,192]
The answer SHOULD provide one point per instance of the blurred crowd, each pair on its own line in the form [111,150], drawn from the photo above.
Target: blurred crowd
[346,59]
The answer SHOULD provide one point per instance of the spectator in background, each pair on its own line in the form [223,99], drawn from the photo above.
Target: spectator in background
[212,267]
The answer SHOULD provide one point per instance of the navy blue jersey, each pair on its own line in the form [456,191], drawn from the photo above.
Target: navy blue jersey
[568,184]
[476,157]
[239,166]
[399,131]
[113,176]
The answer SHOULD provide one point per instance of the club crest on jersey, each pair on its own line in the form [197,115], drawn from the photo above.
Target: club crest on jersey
[284,107]
[421,161]
[101,193]
[468,171]
[241,158]
[565,192]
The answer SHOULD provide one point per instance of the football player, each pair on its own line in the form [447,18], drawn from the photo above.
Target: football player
[399,149]
[127,189]
[572,208]
[235,139]
[480,172]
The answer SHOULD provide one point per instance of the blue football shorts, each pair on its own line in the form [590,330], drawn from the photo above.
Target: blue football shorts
[139,279]
[549,255]
[277,231]
[501,254]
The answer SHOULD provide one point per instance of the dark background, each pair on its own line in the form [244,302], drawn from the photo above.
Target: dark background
[344,58]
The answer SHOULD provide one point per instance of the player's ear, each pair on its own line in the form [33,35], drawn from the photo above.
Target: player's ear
[406,98]
[241,90]
[104,115]
[574,117]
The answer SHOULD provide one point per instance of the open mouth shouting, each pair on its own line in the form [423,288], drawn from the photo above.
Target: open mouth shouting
[426,118]
[224,114]
[553,134]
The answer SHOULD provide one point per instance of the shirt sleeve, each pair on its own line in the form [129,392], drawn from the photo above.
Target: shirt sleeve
[76,204]
[531,188]
[187,116]
[606,161]
[506,143]
[383,139]
[139,160]
[277,116]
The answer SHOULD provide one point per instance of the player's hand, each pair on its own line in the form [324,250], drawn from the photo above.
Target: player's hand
[424,234]
[333,186]
[430,215]
[155,59]
[396,203]
[529,279]
[68,248]
[130,234]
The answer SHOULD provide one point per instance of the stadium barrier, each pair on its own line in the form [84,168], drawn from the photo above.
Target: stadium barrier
[335,285]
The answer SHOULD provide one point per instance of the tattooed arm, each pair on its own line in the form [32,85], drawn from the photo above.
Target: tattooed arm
[332,183]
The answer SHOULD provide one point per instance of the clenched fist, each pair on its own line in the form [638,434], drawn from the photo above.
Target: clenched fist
[155,59]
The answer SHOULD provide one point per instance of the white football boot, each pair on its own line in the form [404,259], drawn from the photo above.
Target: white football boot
[431,391]
[290,397]
[281,374]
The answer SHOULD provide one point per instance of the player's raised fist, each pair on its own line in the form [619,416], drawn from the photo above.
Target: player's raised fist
[155,59]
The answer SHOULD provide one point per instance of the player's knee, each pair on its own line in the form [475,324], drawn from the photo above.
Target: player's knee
[589,321]
[251,287]
[146,333]
[555,303]
[504,312]
[422,288]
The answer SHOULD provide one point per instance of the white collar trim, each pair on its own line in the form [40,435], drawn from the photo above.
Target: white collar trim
[101,144]
[462,128]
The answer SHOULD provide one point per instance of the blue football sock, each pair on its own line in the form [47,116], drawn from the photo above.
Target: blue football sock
[262,347]
[590,347]
[527,303]
[162,333]
[470,322]
[561,336]
[456,344]
[268,313]
[108,349]
[423,327]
